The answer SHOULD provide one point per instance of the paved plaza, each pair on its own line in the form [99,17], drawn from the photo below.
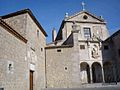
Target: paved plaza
[100,86]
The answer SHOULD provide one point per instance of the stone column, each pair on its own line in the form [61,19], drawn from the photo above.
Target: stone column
[103,75]
[91,78]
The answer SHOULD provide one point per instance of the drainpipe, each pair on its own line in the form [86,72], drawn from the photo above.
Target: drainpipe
[45,71]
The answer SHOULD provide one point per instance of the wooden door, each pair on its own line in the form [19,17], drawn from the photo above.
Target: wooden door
[31,80]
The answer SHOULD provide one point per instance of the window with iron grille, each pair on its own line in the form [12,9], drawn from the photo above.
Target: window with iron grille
[87,32]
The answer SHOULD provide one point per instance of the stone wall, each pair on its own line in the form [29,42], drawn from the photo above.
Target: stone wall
[62,68]
[112,56]
[13,63]
[36,44]
[18,23]
[116,54]
[59,58]
[35,53]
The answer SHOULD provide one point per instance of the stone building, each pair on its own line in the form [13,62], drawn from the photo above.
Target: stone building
[111,56]
[22,57]
[75,56]
[81,52]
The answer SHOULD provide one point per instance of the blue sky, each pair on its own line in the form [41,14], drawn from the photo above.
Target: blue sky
[50,13]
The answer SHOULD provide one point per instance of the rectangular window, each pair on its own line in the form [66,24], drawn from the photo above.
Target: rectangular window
[106,47]
[87,32]
[59,50]
[82,46]
[41,49]
[37,33]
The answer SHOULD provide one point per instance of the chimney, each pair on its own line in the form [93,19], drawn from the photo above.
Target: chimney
[54,34]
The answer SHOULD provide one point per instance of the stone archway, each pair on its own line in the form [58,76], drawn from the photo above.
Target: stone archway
[108,72]
[97,72]
[85,72]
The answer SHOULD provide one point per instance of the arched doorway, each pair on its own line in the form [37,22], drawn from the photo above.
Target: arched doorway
[108,72]
[85,72]
[97,72]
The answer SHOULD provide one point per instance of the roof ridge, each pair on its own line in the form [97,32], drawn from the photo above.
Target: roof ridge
[26,9]
[113,35]
[11,30]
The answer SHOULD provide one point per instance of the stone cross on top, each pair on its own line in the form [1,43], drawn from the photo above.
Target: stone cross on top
[83,6]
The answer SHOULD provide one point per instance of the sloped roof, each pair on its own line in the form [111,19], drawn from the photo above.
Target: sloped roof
[23,12]
[12,31]
[113,35]
[94,16]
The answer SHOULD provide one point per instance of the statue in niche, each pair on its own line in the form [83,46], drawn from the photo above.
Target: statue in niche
[95,52]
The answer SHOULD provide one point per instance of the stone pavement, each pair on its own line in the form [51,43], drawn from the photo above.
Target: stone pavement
[103,88]
[96,86]
[100,85]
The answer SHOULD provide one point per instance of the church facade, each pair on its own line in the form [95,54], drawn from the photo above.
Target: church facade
[81,53]
[77,52]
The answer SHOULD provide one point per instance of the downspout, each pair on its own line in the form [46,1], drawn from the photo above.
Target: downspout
[45,71]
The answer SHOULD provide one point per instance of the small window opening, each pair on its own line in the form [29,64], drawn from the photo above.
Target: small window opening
[37,33]
[10,67]
[82,46]
[41,49]
[85,17]
[65,68]
[59,50]
[106,47]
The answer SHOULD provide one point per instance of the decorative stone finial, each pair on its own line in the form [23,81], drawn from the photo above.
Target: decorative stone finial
[101,17]
[66,15]
[83,6]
